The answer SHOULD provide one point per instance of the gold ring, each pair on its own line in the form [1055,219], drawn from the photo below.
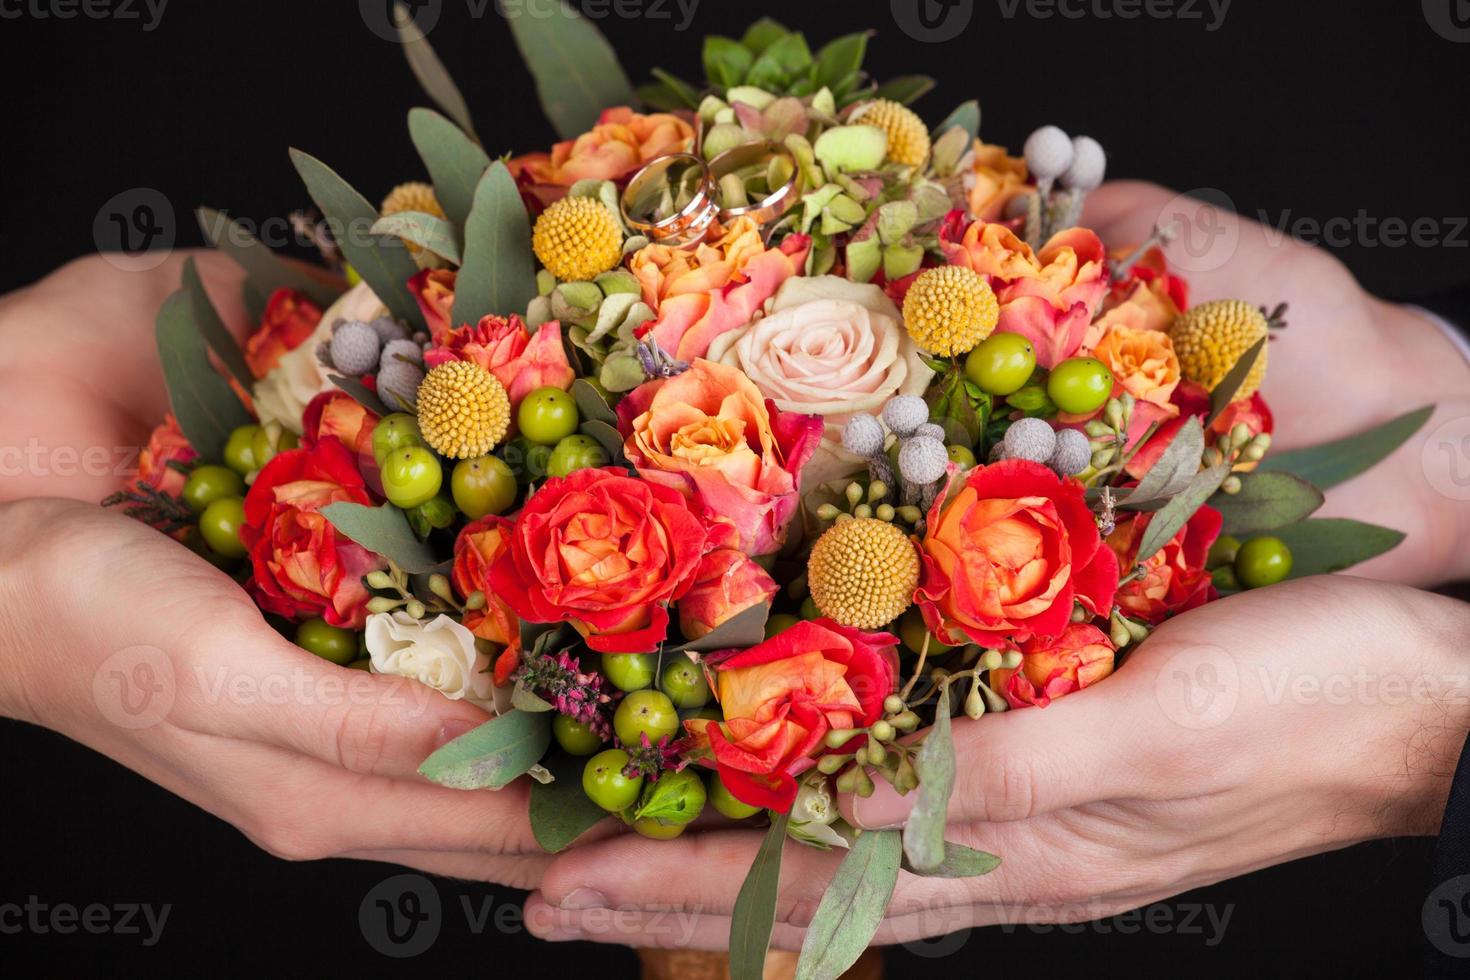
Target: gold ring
[650,197]
[774,204]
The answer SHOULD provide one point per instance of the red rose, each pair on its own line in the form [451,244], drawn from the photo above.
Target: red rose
[1192,400]
[302,566]
[290,317]
[780,698]
[1174,577]
[1081,656]
[605,552]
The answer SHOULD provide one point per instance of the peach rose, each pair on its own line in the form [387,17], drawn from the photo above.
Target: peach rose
[479,546]
[522,361]
[727,584]
[621,142]
[1142,361]
[1080,657]
[707,432]
[165,445]
[700,293]
[338,415]
[998,178]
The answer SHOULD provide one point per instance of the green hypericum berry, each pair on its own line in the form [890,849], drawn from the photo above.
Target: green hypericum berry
[239,454]
[483,485]
[912,630]
[1262,561]
[209,483]
[411,476]
[642,713]
[266,447]
[327,641]
[684,682]
[573,736]
[576,452]
[724,802]
[1223,551]
[396,431]
[220,526]
[658,829]
[604,783]
[1001,363]
[629,671]
[548,415]
[778,622]
[677,797]
[961,456]
[1080,385]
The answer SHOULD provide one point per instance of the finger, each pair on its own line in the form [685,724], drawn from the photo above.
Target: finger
[640,928]
[511,871]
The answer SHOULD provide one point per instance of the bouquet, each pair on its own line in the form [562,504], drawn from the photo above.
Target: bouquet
[726,452]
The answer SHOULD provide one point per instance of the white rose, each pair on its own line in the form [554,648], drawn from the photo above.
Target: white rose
[831,347]
[298,377]
[440,653]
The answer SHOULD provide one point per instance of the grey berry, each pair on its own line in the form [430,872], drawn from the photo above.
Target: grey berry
[1089,164]
[863,436]
[393,350]
[922,460]
[905,413]
[398,384]
[930,430]
[1048,153]
[1072,453]
[997,453]
[1031,439]
[355,347]
[388,329]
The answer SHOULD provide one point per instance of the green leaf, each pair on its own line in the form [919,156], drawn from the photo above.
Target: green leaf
[1331,463]
[959,862]
[726,61]
[265,271]
[923,835]
[959,406]
[1266,501]
[492,755]
[577,73]
[840,58]
[1224,392]
[591,403]
[1032,399]
[202,401]
[384,265]
[430,71]
[762,34]
[657,95]
[1168,519]
[498,275]
[745,629]
[905,88]
[780,63]
[687,94]
[1175,469]
[454,161]
[966,116]
[384,531]
[755,906]
[361,394]
[1320,545]
[670,799]
[219,338]
[560,811]
[255,303]
[524,699]
[852,907]
[426,230]
[607,437]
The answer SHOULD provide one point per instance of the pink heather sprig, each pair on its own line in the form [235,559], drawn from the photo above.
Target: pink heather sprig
[573,693]
[653,759]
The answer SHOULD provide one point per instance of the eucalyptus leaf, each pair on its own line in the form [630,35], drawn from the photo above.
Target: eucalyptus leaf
[923,834]
[384,264]
[685,93]
[852,907]
[498,275]
[492,755]
[1320,545]
[202,401]
[1331,463]
[1224,392]
[265,271]
[657,95]
[959,862]
[745,629]
[361,394]
[1168,519]
[219,338]
[255,302]
[523,699]
[454,161]
[1175,469]
[428,231]
[1266,501]
[577,72]
[384,531]
[966,116]
[754,914]
[560,811]
[430,71]
[591,403]
[905,88]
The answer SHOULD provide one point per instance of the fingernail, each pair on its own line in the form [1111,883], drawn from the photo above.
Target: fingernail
[581,899]
[452,730]
[884,810]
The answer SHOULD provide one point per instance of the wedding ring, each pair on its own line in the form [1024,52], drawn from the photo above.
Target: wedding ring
[650,201]
[775,203]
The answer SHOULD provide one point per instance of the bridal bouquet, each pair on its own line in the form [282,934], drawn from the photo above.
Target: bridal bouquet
[726,451]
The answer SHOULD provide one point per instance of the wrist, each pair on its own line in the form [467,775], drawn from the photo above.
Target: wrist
[17,697]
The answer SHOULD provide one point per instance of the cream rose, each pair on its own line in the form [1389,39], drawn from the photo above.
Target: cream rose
[830,347]
[440,653]
[298,377]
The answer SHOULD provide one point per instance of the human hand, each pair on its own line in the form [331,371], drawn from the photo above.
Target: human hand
[1346,362]
[1249,732]
[118,637]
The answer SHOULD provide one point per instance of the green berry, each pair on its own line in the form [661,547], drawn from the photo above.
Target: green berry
[483,485]
[576,452]
[658,829]
[411,476]
[527,459]
[1001,363]
[239,451]
[962,456]
[574,736]
[685,683]
[1080,385]
[1224,579]
[548,415]
[1262,561]
[723,802]
[327,641]
[264,450]
[778,622]
[209,483]
[642,713]
[683,789]
[220,525]
[1223,551]
[912,630]
[397,431]
[604,783]
[629,671]
[809,609]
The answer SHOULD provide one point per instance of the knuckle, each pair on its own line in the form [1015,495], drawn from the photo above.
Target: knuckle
[1007,787]
[359,737]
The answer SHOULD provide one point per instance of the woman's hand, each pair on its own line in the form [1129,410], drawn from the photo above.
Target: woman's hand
[1262,728]
[118,637]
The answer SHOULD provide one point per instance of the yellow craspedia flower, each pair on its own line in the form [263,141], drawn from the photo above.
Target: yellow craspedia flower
[463,411]
[950,309]
[908,137]
[862,572]
[577,238]
[1211,337]
[414,195]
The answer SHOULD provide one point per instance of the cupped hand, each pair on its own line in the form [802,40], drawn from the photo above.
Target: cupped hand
[122,639]
[1258,729]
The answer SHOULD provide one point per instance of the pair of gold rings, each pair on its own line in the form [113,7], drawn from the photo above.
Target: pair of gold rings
[650,204]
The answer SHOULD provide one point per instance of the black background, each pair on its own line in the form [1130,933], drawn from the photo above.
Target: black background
[1295,110]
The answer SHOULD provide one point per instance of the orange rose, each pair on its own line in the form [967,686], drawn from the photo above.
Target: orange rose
[478,547]
[1174,578]
[998,179]
[290,317]
[434,290]
[338,414]
[520,360]
[166,445]
[1142,361]
[709,432]
[1080,657]
[621,142]
[713,288]
[726,584]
